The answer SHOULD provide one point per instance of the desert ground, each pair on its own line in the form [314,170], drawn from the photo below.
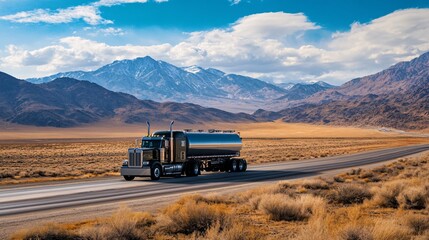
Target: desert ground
[111,129]
[29,154]
[389,202]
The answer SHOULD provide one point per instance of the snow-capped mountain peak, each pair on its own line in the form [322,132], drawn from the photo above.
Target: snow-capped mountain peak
[147,78]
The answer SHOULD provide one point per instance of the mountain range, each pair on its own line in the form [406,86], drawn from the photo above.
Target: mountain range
[397,97]
[302,91]
[149,79]
[67,102]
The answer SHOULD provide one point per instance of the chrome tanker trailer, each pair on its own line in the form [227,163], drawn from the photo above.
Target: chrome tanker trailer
[174,153]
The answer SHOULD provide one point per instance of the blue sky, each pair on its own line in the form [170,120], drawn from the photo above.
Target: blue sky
[275,40]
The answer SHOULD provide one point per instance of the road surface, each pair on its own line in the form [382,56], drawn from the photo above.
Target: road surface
[24,202]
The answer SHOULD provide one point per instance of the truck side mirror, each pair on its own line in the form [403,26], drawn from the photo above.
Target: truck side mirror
[166,143]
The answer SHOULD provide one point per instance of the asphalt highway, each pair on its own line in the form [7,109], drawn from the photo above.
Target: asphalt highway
[37,198]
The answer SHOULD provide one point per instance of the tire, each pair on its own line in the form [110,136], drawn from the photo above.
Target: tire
[193,169]
[233,165]
[129,178]
[155,171]
[245,165]
[240,165]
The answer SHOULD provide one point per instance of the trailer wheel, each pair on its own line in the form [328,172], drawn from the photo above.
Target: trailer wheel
[155,171]
[129,178]
[193,169]
[244,165]
[240,165]
[233,166]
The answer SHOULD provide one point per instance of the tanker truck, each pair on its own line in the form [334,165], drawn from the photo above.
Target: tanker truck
[187,152]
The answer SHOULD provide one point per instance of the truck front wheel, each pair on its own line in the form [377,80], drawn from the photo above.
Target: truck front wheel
[193,169]
[155,171]
[129,178]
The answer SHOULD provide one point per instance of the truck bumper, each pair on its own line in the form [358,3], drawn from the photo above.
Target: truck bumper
[136,172]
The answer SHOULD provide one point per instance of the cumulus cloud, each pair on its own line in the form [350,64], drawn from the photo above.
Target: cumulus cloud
[257,40]
[73,53]
[88,13]
[269,46]
[386,40]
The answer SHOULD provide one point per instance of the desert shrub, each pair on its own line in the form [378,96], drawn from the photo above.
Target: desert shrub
[356,233]
[255,201]
[211,199]
[97,232]
[374,179]
[280,207]
[318,228]
[382,169]
[399,167]
[417,224]
[126,224]
[285,188]
[426,188]
[122,225]
[355,171]
[351,193]
[413,198]
[188,216]
[390,230]
[6,174]
[47,232]
[315,184]
[386,196]
[339,179]
[366,174]
[235,231]
[144,219]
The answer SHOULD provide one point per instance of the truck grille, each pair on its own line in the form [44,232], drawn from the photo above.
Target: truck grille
[135,157]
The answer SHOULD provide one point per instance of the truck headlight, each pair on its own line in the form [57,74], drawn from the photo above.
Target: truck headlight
[125,163]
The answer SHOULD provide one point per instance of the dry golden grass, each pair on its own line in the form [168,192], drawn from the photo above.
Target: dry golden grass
[30,154]
[190,215]
[280,207]
[351,194]
[278,150]
[321,208]
[63,160]
[47,160]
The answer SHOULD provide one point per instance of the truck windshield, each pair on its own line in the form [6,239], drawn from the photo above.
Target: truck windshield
[151,144]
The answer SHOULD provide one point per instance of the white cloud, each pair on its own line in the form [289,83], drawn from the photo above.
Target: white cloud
[233,2]
[384,41]
[110,31]
[257,40]
[73,53]
[272,25]
[109,3]
[267,46]
[88,13]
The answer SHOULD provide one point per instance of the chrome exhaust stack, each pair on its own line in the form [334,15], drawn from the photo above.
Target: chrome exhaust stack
[171,142]
[148,128]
